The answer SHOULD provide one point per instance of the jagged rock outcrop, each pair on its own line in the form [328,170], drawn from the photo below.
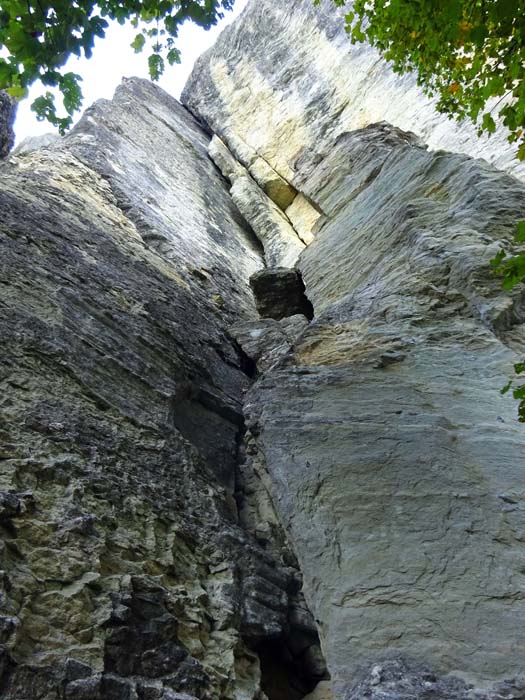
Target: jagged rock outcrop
[7,118]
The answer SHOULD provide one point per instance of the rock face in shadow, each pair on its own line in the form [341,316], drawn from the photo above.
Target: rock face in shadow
[124,571]
[7,118]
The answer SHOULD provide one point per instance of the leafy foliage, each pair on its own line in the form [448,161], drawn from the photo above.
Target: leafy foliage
[511,267]
[468,53]
[41,35]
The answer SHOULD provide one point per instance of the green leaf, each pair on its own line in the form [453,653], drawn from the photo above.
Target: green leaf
[156,66]
[488,123]
[138,43]
[519,236]
[506,388]
[17,91]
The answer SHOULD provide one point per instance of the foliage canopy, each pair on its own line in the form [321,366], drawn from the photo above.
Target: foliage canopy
[468,53]
[40,36]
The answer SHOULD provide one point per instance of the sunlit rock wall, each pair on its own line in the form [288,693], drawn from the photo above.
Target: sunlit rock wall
[285,76]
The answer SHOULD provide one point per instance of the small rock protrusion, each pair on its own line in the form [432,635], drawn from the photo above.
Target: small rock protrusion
[7,118]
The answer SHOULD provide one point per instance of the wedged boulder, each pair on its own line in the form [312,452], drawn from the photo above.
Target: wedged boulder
[279,293]
[267,340]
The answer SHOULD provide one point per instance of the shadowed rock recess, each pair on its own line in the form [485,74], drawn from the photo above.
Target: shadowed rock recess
[252,445]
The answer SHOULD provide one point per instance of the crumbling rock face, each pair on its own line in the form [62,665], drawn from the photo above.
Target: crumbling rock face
[396,679]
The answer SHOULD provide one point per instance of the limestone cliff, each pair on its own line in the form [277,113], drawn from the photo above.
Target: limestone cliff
[252,444]
[124,570]
[285,77]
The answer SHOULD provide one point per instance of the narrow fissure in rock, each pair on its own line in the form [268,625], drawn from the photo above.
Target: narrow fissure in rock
[292,662]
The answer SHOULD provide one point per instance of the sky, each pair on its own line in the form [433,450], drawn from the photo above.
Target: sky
[113,59]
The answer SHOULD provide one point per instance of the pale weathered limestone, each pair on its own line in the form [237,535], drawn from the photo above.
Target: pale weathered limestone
[276,187]
[281,243]
[303,217]
[285,76]
[224,160]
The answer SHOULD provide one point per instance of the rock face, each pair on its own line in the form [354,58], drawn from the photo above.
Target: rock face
[125,573]
[7,118]
[392,460]
[391,455]
[252,445]
[285,77]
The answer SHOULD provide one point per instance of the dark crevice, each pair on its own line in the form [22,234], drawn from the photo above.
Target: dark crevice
[292,665]
[308,308]
[280,292]
[246,364]
[282,677]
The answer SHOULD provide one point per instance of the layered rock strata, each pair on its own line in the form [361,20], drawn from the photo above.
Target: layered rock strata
[125,573]
[285,76]
[393,461]
[250,386]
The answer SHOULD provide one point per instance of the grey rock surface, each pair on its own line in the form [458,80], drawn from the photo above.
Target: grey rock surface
[226,481]
[125,573]
[396,679]
[391,458]
[267,340]
[393,461]
[35,143]
[281,242]
[7,118]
